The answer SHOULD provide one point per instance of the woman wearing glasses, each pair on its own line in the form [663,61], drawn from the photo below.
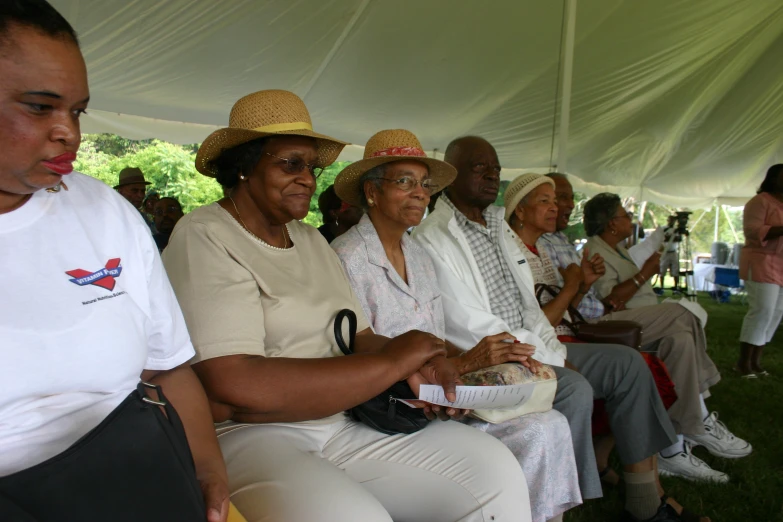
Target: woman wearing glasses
[260,291]
[395,282]
[683,348]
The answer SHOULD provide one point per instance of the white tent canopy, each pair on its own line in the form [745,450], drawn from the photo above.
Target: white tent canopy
[678,102]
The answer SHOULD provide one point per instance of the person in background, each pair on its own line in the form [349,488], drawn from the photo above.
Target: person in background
[260,291]
[394,280]
[149,203]
[487,287]
[167,213]
[86,312]
[132,186]
[329,204]
[761,267]
[669,330]
[670,258]
[341,215]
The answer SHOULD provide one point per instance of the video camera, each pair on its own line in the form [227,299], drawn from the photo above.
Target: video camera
[682,222]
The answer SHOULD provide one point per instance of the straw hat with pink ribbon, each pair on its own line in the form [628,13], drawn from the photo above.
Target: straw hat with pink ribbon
[261,114]
[387,146]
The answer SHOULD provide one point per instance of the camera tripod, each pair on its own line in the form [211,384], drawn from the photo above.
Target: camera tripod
[688,282]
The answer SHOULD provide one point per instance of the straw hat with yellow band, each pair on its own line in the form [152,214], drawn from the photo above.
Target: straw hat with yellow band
[265,113]
[384,147]
[521,187]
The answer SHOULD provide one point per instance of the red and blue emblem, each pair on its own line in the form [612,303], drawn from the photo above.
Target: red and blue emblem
[105,277]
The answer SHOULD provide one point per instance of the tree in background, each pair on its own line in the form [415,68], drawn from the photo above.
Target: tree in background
[170,168]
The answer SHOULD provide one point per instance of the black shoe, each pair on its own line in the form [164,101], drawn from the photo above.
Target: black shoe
[665,513]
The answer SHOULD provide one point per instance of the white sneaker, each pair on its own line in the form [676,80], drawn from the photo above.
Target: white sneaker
[719,441]
[689,466]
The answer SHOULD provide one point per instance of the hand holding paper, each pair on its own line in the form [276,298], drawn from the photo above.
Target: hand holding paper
[479,397]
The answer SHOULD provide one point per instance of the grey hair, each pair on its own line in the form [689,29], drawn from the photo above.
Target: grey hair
[374,175]
[599,211]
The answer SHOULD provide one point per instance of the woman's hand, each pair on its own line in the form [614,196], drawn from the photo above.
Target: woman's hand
[492,350]
[412,350]
[612,303]
[443,372]
[572,275]
[592,267]
[652,266]
[216,496]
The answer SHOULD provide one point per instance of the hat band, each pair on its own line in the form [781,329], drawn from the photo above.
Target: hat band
[399,151]
[278,127]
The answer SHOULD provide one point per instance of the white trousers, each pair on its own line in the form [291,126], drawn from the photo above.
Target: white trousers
[347,472]
[765,310]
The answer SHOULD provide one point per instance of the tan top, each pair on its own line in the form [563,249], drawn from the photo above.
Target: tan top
[241,296]
[619,268]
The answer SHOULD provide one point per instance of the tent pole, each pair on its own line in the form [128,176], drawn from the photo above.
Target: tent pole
[717,220]
[568,69]
[731,225]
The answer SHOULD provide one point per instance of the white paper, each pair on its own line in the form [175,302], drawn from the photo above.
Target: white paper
[479,397]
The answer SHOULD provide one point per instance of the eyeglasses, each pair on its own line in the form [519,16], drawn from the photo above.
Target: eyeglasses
[297,166]
[407,184]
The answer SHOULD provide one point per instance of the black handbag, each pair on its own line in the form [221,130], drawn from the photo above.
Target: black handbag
[383,412]
[135,465]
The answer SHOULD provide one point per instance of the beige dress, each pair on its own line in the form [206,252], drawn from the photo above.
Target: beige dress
[669,330]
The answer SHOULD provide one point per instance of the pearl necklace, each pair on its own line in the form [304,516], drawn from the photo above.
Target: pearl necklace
[285,238]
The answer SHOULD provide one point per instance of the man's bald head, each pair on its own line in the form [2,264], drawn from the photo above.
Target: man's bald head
[565,199]
[459,146]
[478,172]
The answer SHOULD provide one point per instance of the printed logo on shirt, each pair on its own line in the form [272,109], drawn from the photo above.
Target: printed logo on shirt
[105,277]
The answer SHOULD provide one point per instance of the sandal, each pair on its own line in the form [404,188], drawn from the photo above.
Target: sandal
[685,515]
[742,375]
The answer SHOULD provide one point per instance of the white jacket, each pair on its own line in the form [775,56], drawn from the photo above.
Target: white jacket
[466,305]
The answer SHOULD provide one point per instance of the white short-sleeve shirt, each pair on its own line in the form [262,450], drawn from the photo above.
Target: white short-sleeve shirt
[85,307]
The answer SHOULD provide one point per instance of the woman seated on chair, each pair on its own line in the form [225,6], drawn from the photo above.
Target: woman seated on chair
[669,330]
[260,291]
[395,282]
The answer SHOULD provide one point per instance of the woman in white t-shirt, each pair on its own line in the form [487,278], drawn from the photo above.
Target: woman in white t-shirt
[260,291]
[86,308]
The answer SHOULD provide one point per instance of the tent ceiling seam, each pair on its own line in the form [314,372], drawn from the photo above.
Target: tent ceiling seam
[336,47]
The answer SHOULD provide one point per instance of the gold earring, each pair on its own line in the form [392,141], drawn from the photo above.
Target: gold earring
[614,232]
[371,202]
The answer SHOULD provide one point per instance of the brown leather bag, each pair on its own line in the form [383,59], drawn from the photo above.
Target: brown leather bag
[627,333]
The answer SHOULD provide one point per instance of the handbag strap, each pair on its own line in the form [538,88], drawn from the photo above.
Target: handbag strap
[347,349]
[577,318]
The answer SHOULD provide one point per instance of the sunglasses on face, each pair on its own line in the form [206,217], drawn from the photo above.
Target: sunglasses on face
[295,166]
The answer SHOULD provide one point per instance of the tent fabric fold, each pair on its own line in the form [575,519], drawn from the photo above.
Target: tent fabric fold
[676,102]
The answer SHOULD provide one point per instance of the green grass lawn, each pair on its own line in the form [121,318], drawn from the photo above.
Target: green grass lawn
[752,410]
